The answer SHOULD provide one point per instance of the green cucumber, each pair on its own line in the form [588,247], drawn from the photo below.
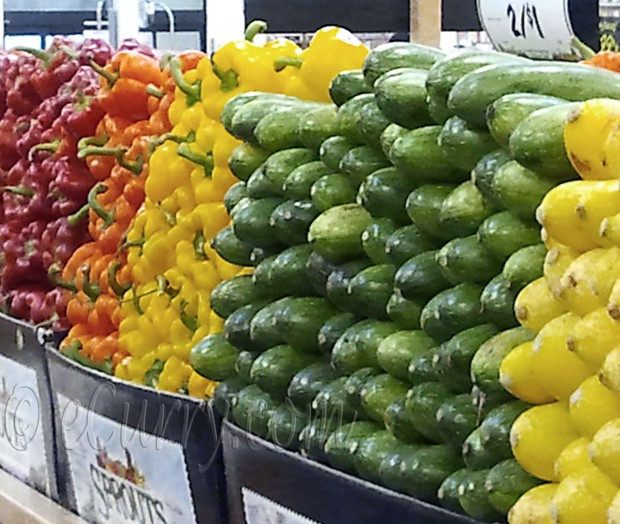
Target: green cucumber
[231,248]
[498,301]
[333,149]
[394,55]
[331,191]
[262,279]
[347,85]
[259,186]
[337,233]
[246,118]
[306,384]
[273,370]
[397,421]
[230,295]
[251,224]
[342,444]
[291,220]
[475,454]
[420,277]
[463,144]
[278,131]
[525,266]
[370,290]
[422,404]
[487,360]
[418,155]
[390,134]
[316,126]
[235,103]
[355,383]
[288,271]
[263,332]
[375,238]
[259,254]
[447,72]
[371,123]
[396,351]
[285,425]
[357,347]
[237,326]
[474,499]
[495,429]
[332,401]
[214,358]
[485,402]
[506,483]
[424,208]
[298,184]
[318,270]
[333,329]
[483,174]
[234,195]
[520,189]
[300,319]
[243,364]
[401,96]
[338,282]
[420,470]
[384,193]
[475,92]
[504,233]
[452,311]
[463,210]
[407,242]
[421,368]
[448,492]
[453,358]
[456,419]
[360,162]
[403,312]
[438,109]
[378,393]
[538,142]
[313,437]
[252,409]
[348,115]
[225,393]
[281,164]
[506,113]
[467,260]
[371,452]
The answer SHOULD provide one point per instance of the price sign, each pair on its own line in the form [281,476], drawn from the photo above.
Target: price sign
[610,34]
[536,28]
[261,510]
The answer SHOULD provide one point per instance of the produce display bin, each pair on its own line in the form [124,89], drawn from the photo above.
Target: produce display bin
[268,484]
[130,454]
[27,446]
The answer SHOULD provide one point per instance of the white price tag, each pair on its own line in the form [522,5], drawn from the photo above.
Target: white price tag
[536,28]
[22,442]
[123,475]
[261,510]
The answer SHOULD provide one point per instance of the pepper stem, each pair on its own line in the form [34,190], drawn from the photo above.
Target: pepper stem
[108,75]
[74,55]
[189,321]
[18,190]
[116,152]
[191,90]
[54,274]
[229,80]
[39,53]
[153,90]
[255,28]
[586,51]
[199,246]
[91,289]
[87,141]
[93,203]
[51,147]
[119,290]
[280,63]
[206,161]
[74,219]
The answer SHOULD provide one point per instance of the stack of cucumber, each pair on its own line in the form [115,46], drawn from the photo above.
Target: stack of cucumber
[390,234]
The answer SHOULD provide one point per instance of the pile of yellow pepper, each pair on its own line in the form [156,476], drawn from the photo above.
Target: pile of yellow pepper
[172,264]
[571,371]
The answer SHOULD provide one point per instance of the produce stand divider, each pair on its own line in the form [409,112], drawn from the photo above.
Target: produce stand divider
[27,445]
[426,21]
[132,454]
[265,481]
